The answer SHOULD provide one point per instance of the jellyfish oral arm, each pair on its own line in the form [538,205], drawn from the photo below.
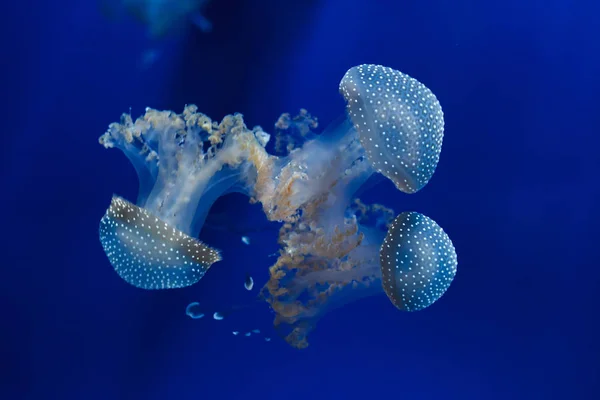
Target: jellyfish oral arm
[179,160]
[177,200]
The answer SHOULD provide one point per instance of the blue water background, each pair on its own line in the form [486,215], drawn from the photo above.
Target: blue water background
[516,189]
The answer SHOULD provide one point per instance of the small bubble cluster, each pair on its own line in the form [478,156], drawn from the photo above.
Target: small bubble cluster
[148,253]
[418,262]
[400,123]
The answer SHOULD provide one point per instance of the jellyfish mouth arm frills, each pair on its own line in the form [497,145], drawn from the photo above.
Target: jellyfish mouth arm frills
[400,123]
[180,158]
[318,179]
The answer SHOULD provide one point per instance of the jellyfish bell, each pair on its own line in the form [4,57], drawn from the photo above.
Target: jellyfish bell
[149,254]
[399,121]
[418,262]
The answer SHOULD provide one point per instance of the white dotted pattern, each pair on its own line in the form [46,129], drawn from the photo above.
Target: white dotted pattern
[148,253]
[418,262]
[400,123]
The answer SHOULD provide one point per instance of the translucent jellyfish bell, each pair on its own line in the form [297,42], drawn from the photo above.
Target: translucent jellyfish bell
[418,262]
[149,254]
[399,122]
[334,248]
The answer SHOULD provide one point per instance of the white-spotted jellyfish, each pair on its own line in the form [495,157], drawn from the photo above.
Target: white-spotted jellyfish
[418,262]
[399,122]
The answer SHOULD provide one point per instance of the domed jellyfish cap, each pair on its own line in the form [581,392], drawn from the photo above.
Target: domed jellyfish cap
[418,262]
[400,123]
[149,254]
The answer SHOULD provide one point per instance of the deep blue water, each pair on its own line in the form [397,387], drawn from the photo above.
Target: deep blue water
[516,189]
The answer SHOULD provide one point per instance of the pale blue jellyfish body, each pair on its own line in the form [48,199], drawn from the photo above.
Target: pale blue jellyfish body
[418,262]
[399,122]
[149,254]
[194,311]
